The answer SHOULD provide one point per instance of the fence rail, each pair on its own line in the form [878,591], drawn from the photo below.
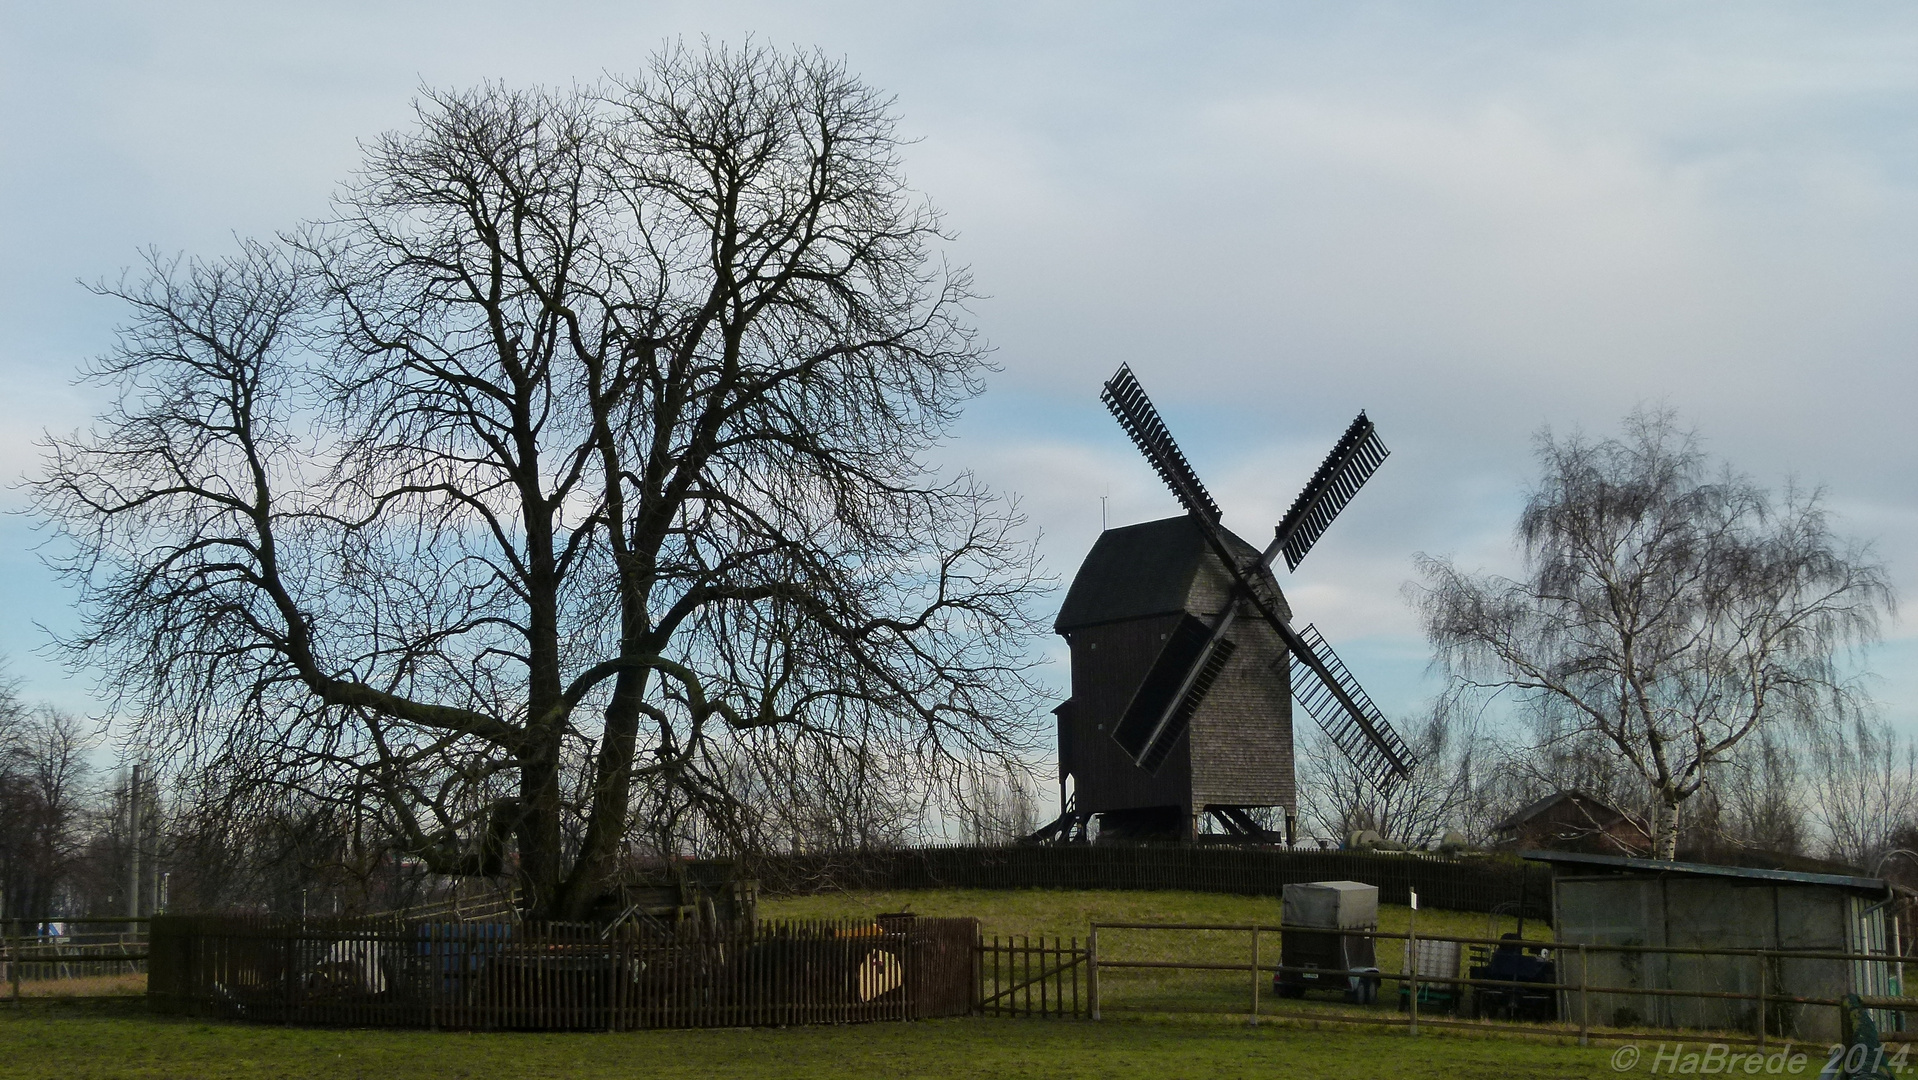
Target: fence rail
[1774,1011]
[1019,978]
[1461,883]
[59,956]
[556,976]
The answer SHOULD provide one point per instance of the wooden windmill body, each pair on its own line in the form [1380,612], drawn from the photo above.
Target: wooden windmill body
[1185,665]
[1137,589]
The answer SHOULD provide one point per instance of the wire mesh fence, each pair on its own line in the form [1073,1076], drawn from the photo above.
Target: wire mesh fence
[559,976]
[1605,991]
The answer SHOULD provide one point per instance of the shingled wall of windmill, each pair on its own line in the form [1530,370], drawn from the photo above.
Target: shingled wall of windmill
[1134,588]
[1243,733]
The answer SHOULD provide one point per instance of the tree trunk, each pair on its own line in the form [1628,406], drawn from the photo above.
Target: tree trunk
[1665,834]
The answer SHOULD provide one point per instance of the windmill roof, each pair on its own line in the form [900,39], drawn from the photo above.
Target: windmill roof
[1139,570]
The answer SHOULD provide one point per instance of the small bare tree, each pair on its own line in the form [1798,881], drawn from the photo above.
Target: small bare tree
[1761,792]
[998,806]
[574,466]
[1443,792]
[1668,609]
[44,805]
[1864,787]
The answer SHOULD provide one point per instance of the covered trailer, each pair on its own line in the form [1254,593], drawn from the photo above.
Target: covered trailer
[1317,951]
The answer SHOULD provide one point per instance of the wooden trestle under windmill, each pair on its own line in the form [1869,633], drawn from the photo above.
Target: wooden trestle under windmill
[1185,664]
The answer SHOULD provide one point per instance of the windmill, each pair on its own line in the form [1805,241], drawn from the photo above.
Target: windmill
[1186,664]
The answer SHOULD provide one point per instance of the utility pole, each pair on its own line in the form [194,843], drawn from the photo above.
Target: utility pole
[133,842]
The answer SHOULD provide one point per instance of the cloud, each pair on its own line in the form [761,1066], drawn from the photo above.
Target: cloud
[1472,221]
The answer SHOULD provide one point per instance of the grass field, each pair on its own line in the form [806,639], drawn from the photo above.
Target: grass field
[1068,913]
[84,986]
[51,1040]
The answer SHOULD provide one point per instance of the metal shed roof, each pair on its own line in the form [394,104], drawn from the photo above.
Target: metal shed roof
[1620,863]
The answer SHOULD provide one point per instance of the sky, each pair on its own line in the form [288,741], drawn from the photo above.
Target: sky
[1474,221]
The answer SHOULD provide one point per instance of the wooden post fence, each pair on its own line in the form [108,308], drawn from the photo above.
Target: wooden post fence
[1412,967]
[1254,1021]
[1092,970]
[1584,1000]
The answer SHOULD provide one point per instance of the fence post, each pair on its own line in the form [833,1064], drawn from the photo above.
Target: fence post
[289,957]
[1254,1020]
[998,1002]
[1762,1024]
[1412,964]
[1092,970]
[1584,1000]
[979,972]
[13,961]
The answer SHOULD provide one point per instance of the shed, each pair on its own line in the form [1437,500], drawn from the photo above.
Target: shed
[1616,900]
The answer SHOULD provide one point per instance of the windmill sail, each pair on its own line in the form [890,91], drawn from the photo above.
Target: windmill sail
[1126,398]
[1177,683]
[1358,729]
[1162,707]
[1353,460]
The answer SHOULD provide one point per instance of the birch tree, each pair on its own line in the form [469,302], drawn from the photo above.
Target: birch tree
[1669,607]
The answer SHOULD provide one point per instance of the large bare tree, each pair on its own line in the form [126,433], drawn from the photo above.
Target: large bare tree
[576,465]
[1669,608]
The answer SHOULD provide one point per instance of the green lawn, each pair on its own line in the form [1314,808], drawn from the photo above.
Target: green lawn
[70,1041]
[1068,913]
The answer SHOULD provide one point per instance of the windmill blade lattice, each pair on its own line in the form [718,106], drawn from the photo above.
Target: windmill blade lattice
[1176,724]
[1185,670]
[1379,752]
[1153,721]
[1126,398]
[1353,460]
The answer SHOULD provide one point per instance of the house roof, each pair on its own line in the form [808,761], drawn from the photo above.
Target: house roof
[1532,810]
[1139,570]
[1619,864]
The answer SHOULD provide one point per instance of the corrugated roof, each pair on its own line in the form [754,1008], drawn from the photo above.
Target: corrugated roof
[1622,863]
[1138,570]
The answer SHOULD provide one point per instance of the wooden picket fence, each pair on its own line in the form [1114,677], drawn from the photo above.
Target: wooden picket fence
[1020,978]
